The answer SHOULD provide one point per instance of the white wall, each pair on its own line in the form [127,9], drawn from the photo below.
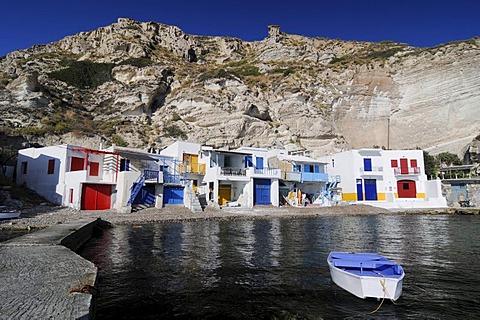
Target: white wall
[50,186]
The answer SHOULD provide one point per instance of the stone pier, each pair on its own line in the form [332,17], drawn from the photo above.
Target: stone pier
[42,278]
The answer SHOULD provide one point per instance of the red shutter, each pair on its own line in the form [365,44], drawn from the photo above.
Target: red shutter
[394,163]
[94,168]
[77,164]
[413,163]
[51,166]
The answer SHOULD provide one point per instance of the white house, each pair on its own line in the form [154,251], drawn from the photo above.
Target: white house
[385,178]
[302,177]
[70,176]
[191,189]
[240,177]
[140,178]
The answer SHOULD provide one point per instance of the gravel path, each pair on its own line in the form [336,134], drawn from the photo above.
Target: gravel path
[45,216]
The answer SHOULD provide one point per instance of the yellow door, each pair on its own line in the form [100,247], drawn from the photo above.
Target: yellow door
[194,162]
[224,195]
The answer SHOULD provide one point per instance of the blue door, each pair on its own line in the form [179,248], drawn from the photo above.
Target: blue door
[146,195]
[370,189]
[173,195]
[359,190]
[262,191]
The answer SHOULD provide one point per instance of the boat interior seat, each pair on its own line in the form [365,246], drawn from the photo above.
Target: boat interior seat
[361,264]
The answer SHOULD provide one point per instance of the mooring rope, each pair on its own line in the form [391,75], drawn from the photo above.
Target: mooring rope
[385,293]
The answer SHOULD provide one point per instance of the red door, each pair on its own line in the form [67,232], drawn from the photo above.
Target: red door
[404,166]
[406,189]
[96,196]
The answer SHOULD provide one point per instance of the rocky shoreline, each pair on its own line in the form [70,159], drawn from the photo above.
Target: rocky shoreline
[46,216]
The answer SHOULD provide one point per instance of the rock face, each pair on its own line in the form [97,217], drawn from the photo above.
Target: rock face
[148,84]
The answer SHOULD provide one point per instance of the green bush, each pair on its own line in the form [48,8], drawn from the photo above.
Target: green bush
[84,74]
[174,131]
[118,141]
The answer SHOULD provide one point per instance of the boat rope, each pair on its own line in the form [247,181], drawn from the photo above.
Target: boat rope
[385,293]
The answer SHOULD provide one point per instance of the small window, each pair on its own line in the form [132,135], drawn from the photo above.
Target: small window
[94,168]
[394,163]
[77,164]
[333,163]
[24,167]
[406,186]
[124,165]
[51,166]
[70,198]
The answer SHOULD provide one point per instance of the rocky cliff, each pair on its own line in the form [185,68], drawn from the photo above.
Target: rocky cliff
[147,84]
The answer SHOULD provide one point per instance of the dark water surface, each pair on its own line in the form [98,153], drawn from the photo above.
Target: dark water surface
[277,269]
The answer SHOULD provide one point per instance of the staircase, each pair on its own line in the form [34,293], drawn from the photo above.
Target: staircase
[192,200]
[137,186]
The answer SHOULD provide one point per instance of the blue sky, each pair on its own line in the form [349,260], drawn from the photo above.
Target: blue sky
[422,23]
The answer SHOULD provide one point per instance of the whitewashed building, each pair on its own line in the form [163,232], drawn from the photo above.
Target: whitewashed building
[385,178]
[240,177]
[70,176]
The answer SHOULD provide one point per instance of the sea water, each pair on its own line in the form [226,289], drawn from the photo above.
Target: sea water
[277,269]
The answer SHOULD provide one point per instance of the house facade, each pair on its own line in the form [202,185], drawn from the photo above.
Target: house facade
[185,184]
[386,178]
[140,178]
[240,177]
[303,179]
[70,176]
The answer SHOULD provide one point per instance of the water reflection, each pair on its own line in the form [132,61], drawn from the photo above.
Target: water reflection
[277,268]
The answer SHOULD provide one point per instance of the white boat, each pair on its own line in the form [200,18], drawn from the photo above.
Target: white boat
[366,275]
[9,215]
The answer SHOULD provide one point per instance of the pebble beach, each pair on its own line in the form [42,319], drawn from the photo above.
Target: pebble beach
[44,216]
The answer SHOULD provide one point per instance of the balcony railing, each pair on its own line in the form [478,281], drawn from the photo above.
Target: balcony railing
[153,176]
[198,168]
[173,178]
[228,171]
[314,177]
[266,172]
[292,176]
[373,170]
[405,171]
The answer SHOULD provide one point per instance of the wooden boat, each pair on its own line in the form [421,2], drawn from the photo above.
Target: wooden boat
[366,275]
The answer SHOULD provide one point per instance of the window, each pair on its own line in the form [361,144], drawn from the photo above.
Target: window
[394,163]
[24,167]
[406,186]
[94,168]
[70,198]
[307,168]
[51,166]
[248,162]
[297,168]
[124,165]
[76,164]
[316,168]
[259,161]
[333,163]
[367,164]
[413,163]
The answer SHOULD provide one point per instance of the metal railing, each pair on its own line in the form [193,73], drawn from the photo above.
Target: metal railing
[229,171]
[409,170]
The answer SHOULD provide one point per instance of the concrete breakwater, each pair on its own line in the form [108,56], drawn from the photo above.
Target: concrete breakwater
[41,277]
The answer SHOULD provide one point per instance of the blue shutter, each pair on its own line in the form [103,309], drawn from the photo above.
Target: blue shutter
[259,163]
[367,164]
[248,162]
